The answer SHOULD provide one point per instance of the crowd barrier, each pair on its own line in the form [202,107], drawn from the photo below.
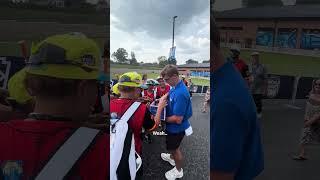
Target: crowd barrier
[278,86]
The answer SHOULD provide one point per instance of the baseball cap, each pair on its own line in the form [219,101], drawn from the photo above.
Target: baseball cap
[131,79]
[17,89]
[255,54]
[235,48]
[66,56]
[152,82]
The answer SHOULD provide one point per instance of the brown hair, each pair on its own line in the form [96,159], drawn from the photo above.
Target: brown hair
[313,86]
[144,77]
[126,89]
[50,86]
[169,70]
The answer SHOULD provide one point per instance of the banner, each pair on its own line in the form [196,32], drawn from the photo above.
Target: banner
[172,52]
[280,87]
[9,65]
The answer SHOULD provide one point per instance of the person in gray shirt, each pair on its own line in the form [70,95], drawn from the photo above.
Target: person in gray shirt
[258,75]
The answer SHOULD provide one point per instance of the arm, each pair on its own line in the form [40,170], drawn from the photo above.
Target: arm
[178,110]
[228,135]
[174,119]
[157,117]
[315,118]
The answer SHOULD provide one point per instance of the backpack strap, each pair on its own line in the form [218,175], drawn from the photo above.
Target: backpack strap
[119,142]
[130,111]
[68,154]
[155,93]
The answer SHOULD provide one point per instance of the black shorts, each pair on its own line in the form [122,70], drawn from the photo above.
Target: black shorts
[173,141]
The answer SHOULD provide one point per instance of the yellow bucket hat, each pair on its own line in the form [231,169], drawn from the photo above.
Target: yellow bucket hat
[131,79]
[17,89]
[115,89]
[67,56]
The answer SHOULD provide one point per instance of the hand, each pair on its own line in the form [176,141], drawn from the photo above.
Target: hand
[163,101]
[148,105]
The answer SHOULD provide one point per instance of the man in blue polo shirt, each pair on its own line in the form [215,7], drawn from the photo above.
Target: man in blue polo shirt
[235,147]
[179,110]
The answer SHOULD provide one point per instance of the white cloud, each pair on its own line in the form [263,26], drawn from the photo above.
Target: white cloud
[145,27]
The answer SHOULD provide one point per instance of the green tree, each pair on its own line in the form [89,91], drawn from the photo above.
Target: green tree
[120,55]
[191,61]
[205,61]
[133,59]
[172,60]
[162,61]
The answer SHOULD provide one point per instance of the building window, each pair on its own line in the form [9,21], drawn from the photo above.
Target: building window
[287,38]
[310,39]
[265,37]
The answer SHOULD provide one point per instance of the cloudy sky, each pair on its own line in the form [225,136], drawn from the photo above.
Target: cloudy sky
[221,5]
[145,27]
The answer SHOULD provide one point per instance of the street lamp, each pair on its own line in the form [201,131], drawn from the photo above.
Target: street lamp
[174,17]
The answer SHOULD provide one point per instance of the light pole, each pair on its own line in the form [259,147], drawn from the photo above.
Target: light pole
[173,31]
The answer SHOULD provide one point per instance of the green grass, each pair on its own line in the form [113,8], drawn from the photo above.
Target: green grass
[196,81]
[128,66]
[200,82]
[34,15]
[13,48]
[10,49]
[284,64]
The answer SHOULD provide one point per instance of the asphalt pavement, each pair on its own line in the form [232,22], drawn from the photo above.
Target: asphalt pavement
[195,149]
[281,129]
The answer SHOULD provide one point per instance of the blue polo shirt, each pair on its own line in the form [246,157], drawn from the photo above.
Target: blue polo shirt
[235,140]
[180,105]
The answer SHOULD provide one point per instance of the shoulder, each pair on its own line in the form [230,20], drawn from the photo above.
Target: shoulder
[182,91]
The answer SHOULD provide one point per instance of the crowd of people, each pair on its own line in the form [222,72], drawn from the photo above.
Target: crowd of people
[238,90]
[255,74]
[166,103]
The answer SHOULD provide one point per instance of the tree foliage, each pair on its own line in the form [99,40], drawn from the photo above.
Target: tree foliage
[120,55]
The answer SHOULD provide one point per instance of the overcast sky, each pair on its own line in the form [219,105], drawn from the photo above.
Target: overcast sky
[221,5]
[145,27]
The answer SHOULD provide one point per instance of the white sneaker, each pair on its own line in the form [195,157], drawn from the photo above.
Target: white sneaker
[166,157]
[174,174]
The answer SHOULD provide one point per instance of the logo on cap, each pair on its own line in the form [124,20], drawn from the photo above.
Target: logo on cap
[88,60]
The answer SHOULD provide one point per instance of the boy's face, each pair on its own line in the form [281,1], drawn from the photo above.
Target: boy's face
[150,88]
[162,83]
